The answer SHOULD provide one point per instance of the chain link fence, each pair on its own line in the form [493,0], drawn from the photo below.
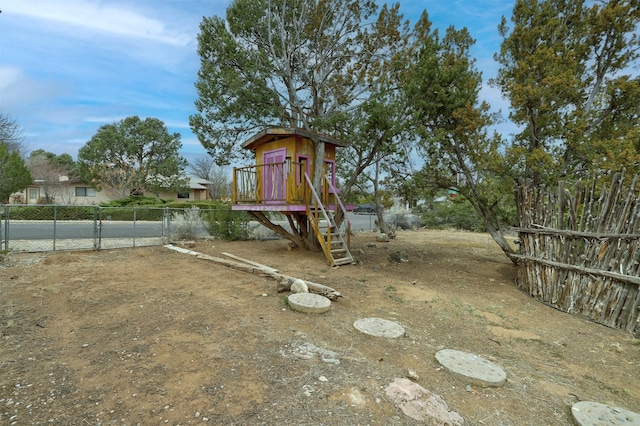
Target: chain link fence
[31,228]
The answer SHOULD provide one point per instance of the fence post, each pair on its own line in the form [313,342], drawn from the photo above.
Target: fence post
[55,213]
[167,221]
[6,228]
[2,214]
[100,209]
[96,233]
[135,211]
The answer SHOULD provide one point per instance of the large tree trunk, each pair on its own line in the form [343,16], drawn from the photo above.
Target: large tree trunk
[499,238]
[294,237]
[490,220]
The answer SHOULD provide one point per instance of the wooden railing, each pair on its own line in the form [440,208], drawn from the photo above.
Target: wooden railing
[340,211]
[316,212]
[278,183]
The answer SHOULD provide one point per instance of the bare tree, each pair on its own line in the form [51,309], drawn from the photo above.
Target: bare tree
[47,173]
[205,168]
[11,134]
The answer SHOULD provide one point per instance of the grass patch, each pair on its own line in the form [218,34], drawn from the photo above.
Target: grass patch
[494,310]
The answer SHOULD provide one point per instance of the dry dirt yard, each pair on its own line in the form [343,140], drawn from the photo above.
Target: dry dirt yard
[151,336]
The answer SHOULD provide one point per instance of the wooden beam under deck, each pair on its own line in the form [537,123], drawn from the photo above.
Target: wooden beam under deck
[282,208]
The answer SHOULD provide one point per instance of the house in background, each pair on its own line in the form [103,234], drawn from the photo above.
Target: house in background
[70,191]
[197,191]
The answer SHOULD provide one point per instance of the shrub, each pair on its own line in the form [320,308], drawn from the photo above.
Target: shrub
[404,220]
[185,225]
[132,213]
[226,224]
[43,212]
[135,200]
[458,214]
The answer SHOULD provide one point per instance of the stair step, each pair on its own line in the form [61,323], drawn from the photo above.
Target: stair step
[337,251]
[343,261]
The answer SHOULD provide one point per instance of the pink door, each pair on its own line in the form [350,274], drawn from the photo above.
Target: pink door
[274,176]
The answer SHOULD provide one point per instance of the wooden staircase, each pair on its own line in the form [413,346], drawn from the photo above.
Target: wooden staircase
[333,239]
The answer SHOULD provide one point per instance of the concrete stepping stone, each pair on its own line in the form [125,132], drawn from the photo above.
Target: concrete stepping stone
[471,368]
[379,327]
[309,303]
[587,413]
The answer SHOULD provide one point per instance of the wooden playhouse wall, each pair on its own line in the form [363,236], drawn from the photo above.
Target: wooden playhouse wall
[580,250]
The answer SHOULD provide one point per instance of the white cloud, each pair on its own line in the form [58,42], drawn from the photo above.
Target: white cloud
[95,16]
[8,77]
[103,120]
[19,90]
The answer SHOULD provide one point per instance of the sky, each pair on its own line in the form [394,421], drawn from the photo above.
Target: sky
[68,67]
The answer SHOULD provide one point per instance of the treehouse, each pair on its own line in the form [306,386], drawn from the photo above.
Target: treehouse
[282,180]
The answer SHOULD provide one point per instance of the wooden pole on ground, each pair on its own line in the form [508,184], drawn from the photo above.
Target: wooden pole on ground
[284,281]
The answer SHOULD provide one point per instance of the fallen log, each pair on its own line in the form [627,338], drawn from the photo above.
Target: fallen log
[284,281]
[249,262]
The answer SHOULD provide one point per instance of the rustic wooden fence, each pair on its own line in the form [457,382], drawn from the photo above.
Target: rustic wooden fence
[580,249]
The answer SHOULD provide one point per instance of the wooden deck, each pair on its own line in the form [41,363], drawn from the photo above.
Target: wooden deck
[283,208]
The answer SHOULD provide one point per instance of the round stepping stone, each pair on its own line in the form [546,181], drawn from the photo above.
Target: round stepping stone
[587,413]
[471,368]
[309,303]
[379,327]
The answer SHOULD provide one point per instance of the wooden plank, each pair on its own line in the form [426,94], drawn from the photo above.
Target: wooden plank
[247,261]
[541,230]
[582,269]
[313,287]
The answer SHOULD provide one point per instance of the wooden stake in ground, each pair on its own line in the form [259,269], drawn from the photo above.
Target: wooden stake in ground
[284,281]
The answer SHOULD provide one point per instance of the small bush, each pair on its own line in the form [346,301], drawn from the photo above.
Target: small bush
[458,214]
[185,226]
[203,205]
[227,224]
[132,213]
[404,221]
[43,212]
[135,200]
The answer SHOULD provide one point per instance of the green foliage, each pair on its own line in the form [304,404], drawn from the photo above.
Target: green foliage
[226,224]
[135,200]
[459,214]
[63,162]
[442,87]
[132,213]
[51,212]
[133,156]
[14,174]
[565,68]
[288,63]
[203,205]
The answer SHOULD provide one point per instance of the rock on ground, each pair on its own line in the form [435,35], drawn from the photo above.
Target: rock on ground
[420,404]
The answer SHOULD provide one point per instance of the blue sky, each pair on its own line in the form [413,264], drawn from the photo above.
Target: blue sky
[69,66]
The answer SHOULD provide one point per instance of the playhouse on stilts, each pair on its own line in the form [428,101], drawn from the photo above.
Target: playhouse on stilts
[282,180]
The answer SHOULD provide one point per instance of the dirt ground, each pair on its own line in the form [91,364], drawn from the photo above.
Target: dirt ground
[152,336]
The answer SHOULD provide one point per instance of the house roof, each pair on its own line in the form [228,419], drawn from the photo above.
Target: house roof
[198,183]
[274,133]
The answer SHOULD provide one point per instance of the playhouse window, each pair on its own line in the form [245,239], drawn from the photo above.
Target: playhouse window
[302,167]
[330,170]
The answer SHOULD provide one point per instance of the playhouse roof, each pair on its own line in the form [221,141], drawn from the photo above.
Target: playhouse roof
[274,133]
